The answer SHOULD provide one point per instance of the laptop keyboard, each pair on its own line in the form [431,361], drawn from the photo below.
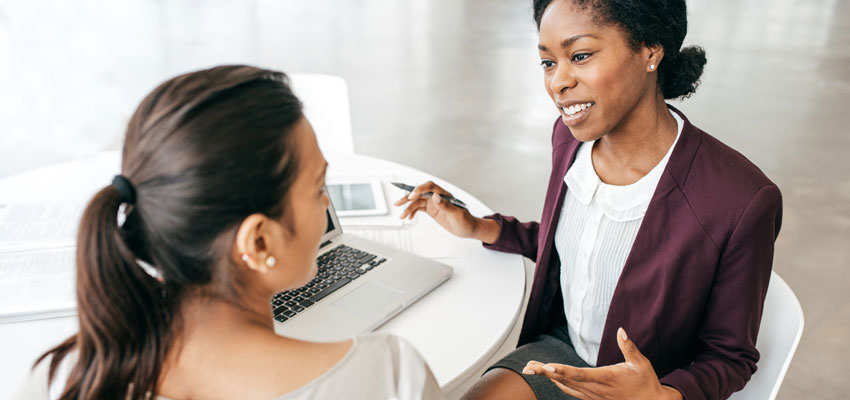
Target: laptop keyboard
[337,268]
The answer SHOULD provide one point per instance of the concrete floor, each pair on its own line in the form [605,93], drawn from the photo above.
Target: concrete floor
[454,88]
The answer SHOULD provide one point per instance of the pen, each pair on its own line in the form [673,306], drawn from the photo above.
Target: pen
[454,201]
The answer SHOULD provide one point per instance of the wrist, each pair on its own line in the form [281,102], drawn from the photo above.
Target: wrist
[486,230]
[670,393]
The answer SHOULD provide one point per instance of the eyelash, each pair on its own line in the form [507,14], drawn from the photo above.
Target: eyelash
[580,54]
[549,63]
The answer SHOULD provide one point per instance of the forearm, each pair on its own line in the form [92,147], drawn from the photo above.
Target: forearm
[486,230]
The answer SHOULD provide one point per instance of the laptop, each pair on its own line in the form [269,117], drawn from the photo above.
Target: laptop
[359,286]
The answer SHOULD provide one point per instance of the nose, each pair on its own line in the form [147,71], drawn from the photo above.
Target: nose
[562,79]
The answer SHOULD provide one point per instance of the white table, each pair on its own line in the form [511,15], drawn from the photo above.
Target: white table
[458,327]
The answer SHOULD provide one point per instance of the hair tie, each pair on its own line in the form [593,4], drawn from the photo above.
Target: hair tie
[125,189]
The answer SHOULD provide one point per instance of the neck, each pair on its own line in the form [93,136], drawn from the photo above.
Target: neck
[641,139]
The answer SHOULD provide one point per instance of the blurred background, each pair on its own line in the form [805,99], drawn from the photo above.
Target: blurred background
[454,88]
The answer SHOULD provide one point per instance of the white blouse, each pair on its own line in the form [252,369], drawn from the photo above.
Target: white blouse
[598,225]
[378,366]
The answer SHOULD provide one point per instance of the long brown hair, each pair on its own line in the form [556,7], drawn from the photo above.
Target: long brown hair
[204,150]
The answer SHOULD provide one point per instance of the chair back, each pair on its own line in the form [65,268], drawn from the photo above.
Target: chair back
[779,335]
[325,99]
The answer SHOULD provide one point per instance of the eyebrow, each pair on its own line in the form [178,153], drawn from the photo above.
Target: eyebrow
[568,42]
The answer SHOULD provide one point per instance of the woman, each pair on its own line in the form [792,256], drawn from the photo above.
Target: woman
[220,204]
[655,247]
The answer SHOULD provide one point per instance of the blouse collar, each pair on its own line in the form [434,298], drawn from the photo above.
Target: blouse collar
[619,203]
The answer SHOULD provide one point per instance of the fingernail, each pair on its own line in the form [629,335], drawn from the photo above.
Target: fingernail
[437,199]
[623,334]
[528,372]
[410,196]
[549,368]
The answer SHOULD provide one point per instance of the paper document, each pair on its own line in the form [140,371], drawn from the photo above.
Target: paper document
[38,225]
[425,238]
[37,259]
[37,284]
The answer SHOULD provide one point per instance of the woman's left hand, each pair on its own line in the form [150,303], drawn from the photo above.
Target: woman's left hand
[632,379]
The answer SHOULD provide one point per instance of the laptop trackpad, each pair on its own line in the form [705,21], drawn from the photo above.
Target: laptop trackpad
[371,300]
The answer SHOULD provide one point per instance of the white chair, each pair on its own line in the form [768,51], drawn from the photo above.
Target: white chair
[779,335]
[325,99]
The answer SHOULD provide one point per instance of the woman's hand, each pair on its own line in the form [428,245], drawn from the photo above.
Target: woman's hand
[458,221]
[632,379]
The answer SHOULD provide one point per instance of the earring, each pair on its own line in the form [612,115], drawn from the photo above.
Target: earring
[652,67]
[245,257]
[270,261]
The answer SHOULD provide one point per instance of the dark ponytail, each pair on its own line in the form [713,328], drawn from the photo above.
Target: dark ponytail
[124,315]
[203,151]
[679,73]
[650,23]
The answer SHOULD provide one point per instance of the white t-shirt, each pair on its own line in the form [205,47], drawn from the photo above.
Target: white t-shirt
[378,366]
[594,236]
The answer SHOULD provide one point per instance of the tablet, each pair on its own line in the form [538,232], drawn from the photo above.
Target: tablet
[357,198]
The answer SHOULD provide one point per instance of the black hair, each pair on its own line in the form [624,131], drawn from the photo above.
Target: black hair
[650,22]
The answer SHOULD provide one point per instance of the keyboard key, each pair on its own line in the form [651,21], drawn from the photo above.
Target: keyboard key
[280,318]
[280,310]
[297,308]
[330,289]
[288,314]
[307,303]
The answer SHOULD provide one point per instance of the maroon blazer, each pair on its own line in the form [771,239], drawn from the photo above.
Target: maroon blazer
[692,289]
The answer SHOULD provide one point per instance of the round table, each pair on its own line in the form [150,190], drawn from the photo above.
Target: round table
[458,327]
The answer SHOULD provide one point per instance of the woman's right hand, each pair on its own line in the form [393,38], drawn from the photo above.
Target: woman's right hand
[458,221]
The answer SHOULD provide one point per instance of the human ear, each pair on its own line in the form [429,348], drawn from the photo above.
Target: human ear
[654,55]
[251,245]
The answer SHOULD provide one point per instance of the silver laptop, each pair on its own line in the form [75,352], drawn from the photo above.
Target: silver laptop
[360,285]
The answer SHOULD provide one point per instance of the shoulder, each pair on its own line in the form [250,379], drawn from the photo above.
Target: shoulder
[722,184]
[408,370]
[397,350]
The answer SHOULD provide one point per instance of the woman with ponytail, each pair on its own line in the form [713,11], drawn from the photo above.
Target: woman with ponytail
[219,205]
[656,242]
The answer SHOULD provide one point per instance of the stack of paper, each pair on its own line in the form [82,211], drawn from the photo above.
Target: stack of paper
[37,260]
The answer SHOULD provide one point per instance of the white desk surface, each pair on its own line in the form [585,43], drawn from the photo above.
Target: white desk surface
[457,328]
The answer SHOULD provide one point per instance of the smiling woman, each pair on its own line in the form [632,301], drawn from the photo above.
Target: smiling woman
[655,246]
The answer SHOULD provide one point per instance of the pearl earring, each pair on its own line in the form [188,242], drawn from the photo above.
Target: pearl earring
[270,261]
[245,257]
[652,67]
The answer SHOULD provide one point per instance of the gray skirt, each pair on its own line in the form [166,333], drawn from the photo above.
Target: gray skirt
[551,347]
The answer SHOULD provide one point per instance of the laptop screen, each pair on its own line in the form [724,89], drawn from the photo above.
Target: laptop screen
[333,228]
[330,222]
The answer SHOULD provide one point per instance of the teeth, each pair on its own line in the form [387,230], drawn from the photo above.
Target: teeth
[575,108]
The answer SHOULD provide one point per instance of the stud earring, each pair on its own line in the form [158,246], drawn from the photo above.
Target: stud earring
[652,67]
[270,261]
[245,257]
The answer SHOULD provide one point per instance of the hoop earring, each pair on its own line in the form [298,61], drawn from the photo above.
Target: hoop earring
[271,261]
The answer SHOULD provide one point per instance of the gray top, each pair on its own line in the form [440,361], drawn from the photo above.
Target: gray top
[378,366]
